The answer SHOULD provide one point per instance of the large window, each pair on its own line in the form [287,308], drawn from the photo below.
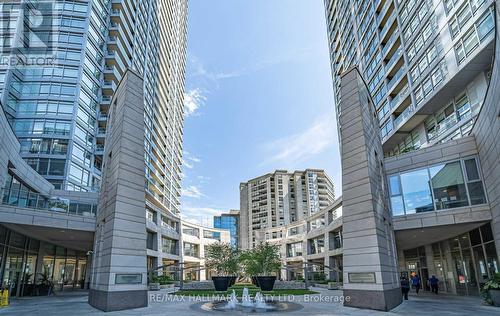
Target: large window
[294,250]
[192,250]
[316,245]
[439,187]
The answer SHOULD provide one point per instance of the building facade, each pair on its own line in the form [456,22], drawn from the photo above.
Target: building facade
[229,221]
[418,66]
[57,82]
[280,198]
[195,239]
[426,63]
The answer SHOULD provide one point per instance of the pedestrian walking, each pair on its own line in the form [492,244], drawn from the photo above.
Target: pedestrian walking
[434,284]
[405,287]
[416,282]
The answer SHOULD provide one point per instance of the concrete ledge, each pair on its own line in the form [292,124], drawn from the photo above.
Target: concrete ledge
[377,300]
[116,301]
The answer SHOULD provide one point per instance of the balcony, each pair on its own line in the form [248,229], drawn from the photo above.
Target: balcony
[396,78]
[403,117]
[395,57]
[388,24]
[394,102]
[390,42]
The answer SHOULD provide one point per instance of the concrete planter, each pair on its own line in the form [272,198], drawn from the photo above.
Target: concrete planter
[266,283]
[221,283]
[166,286]
[495,297]
[154,286]
[334,286]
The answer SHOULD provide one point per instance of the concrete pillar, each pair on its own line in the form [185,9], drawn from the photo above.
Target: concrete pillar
[449,267]
[371,277]
[119,269]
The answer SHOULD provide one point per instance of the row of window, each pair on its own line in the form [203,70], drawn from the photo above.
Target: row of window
[47,167]
[44,146]
[439,187]
[476,35]
[40,126]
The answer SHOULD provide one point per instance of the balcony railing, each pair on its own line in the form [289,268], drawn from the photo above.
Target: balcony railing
[395,78]
[394,58]
[398,98]
[391,41]
[388,23]
[403,116]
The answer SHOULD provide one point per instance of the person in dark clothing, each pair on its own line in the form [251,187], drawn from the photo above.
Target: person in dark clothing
[405,287]
[434,284]
[416,283]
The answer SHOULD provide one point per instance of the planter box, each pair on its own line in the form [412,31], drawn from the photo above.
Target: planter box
[199,285]
[495,297]
[166,286]
[221,283]
[154,286]
[266,283]
[289,285]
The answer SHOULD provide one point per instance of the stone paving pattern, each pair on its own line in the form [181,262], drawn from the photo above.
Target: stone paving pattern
[423,304]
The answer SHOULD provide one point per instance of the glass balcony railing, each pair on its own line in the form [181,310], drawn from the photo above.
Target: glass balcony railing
[394,58]
[388,23]
[398,98]
[454,120]
[391,41]
[403,117]
[382,11]
[395,78]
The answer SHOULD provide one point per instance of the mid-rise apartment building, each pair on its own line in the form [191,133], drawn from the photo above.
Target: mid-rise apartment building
[280,198]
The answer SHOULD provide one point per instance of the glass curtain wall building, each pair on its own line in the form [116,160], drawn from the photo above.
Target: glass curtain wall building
[229,221]
[426,64]
[58,105]
[59,109]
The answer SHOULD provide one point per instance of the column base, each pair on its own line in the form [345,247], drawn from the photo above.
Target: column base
[116,301]
[377,300]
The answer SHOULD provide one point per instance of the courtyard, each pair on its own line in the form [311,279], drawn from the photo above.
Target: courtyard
[325,302]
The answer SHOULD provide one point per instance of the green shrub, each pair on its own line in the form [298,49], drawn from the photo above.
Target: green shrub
[262,260]
[492,284]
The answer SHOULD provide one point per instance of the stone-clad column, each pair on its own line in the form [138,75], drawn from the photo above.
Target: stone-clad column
[371,278]
[119,272]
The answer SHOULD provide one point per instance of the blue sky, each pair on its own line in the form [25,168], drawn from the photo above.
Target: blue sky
[258,97]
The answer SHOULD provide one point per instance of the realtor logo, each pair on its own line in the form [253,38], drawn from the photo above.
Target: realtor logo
[28,31]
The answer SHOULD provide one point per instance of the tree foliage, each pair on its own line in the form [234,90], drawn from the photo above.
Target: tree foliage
[222,259]
[262,260]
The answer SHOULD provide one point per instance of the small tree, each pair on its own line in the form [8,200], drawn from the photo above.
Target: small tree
[263,260]
[222,258]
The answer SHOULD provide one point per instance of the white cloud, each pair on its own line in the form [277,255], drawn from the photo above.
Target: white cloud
[199,215]
[189,160]
[192,192]
[289,151]
[193,100]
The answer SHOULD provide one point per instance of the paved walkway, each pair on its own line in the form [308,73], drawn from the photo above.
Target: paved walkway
[162,304]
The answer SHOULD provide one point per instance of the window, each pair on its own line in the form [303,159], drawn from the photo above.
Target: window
[448,185]
[485,25]
[192,250]
[474,183]
[316,245]
[444,186]
[294,250]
